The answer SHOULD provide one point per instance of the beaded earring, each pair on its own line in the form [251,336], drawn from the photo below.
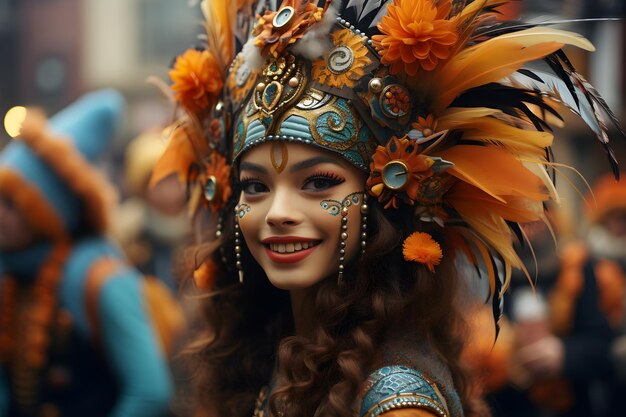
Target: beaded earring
[344,233]
[364,210]
[342,243]
[238,249]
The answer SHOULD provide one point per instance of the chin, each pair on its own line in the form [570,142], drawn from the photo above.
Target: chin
[293,280]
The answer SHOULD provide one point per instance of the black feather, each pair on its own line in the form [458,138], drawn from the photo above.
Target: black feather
[510,100]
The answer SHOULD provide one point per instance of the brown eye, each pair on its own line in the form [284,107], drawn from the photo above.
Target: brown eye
[253,187]
[321,182]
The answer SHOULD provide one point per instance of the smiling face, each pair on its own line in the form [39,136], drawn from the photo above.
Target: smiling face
[291,220]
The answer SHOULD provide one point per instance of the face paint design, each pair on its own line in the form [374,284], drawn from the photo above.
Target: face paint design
[279,156]
[242,210]
[333,207]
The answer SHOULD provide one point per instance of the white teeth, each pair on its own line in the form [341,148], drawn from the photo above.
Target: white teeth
[290,247]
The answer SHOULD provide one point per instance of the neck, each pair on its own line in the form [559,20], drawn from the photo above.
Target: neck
[302,310]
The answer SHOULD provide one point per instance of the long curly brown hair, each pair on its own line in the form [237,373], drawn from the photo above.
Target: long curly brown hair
[250,330]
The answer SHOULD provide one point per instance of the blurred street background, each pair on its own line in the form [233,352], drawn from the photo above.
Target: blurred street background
[52,51]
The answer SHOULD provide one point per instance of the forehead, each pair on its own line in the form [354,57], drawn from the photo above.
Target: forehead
[280,155]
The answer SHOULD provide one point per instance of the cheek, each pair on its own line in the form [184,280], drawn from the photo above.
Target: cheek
[251,217]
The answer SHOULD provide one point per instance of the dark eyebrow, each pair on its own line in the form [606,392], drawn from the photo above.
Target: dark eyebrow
[308,163]
[249,166]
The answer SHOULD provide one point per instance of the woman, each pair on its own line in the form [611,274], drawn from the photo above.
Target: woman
[349,155]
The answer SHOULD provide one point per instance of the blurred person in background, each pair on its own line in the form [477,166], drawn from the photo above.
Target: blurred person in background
[151,222]
[81,332]
[508,384]
[606,241]
[560,363]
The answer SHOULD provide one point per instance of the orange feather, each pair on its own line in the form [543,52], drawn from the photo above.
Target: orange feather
[495,171]
[220,18]
[484,63]
[179,156]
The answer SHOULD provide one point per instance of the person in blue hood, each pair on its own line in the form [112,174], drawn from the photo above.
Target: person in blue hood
[80,334]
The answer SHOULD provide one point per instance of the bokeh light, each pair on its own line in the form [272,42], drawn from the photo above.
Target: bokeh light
[13,120]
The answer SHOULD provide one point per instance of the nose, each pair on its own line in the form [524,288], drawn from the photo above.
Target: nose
[283,210]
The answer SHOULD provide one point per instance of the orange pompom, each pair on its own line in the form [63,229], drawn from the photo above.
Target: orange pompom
[197,80]
[422,248]
[204,275]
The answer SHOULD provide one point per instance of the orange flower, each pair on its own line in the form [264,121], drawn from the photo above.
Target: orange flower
[396,171]
[416,34]
[272,39]
[426,126]
[197,80]
[422,248]
[217,182]
[347,75]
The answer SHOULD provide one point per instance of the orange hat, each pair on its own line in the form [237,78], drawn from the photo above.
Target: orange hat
[608,195]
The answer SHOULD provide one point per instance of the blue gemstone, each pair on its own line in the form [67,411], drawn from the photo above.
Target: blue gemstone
[270,93]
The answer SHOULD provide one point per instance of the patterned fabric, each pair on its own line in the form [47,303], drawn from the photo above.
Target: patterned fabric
[395,387]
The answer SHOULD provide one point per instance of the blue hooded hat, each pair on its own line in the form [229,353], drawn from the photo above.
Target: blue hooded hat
[47,172]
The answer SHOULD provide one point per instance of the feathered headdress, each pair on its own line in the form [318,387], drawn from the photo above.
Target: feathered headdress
[445,106]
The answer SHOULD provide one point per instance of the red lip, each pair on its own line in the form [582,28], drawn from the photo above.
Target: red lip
[289,258]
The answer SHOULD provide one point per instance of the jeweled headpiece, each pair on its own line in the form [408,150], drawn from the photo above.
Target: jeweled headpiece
[445,106]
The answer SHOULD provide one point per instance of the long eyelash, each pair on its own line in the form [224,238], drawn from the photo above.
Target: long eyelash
[326,175]
[247,180]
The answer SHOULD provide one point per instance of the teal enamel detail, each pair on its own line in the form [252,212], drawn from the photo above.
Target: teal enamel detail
[332,125]
[397,387]
[255,131]
[395,175]
[283,16]
[337,126]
